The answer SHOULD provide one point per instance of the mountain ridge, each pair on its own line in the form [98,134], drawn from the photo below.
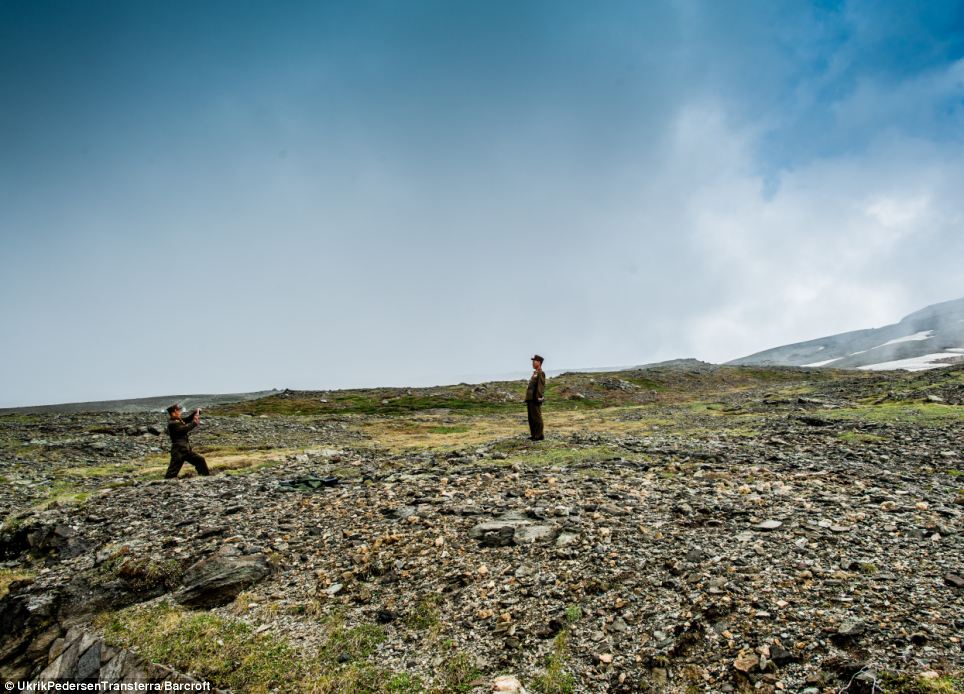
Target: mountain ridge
[931,337]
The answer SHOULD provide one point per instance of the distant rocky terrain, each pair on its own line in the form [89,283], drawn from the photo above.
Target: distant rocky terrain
[930,338]
[152,404]
[683,528]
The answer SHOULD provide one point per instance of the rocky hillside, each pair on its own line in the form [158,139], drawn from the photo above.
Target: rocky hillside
[930,338]
[687,528]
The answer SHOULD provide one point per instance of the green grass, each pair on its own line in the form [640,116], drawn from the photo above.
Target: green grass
[444,429]
[669,384]
[713,408]
[229,654]
[456,674]
[108,470]
[365,403]
[191,642]
[425,615]
[351,643]
[555,679]
[646,383]
[921,414]
[64,492]
[17,418]
[404,683]
[573,613]
[894,683]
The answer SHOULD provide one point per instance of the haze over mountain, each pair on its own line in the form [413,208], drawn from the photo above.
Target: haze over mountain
[930,338]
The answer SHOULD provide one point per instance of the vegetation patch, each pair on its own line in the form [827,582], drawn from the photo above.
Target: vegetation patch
[456,674]
[920,414]
[224,651]
[859,437]
[459,429]
[108,470]
[347,644]
[666,384]
[555,679]
[8,576]
[894,683]
[64,492]
[228,653]
[146,573]
[425,615]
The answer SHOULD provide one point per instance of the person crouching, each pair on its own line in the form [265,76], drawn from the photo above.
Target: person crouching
[181,451]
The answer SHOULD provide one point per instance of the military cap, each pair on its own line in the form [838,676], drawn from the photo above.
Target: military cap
[536,357]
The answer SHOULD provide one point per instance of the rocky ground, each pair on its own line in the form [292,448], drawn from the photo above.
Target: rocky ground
[697,529]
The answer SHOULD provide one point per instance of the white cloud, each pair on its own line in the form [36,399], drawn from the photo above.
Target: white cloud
[834,249]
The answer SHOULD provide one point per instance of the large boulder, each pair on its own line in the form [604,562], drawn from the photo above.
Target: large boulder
[217,580]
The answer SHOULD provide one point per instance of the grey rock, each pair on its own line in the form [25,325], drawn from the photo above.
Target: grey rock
[503,536]
[767,525]
[850,629]
[88,664]
[535,533]
[218,579]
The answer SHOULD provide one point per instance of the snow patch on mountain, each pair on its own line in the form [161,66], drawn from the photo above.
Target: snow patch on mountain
[930,338]
[921,363]
[916,337]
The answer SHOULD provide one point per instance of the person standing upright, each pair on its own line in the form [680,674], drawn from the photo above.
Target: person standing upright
[535,395]
[181,451]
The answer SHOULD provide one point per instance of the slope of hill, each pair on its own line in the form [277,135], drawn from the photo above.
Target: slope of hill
[930,338]
[682,528]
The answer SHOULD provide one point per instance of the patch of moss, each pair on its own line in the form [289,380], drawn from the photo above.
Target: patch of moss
[894,683]
[64,492]
[859,437]
[425,615]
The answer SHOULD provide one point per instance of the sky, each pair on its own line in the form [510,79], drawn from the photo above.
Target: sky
[206,196]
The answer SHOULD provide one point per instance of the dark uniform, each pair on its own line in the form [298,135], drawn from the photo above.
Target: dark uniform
[181,451]
[535,394]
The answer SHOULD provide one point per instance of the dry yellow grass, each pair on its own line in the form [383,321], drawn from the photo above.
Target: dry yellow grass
[447,432]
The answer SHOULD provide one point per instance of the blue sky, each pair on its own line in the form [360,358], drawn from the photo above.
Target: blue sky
[228,196]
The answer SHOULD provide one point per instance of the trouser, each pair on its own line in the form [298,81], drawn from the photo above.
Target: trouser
[535,419]
[180,456]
